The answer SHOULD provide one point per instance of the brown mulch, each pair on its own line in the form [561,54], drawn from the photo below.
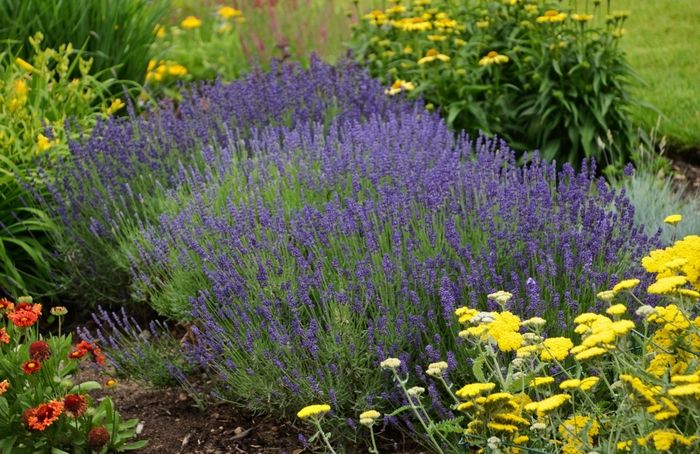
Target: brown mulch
[687,166]
[172,424]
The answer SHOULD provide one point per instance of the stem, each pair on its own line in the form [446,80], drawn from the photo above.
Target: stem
[415,411]
[323,434]
[374,449]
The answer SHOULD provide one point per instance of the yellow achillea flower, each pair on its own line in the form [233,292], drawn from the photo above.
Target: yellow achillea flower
[685,379]
[617,309]
[474,389]
[671,316]
[496,399]
[482,24]
[227,12]
[437,38]
[556,348]
[520,440]
[673,219]
[547,405]
[502,428]
[313,410]
[688,248]
[191,22]
[369,417]
[551,16]
[431,55]
[641,392]
[575,383]
[588,383]
[665,439]
[627,284]
[667,285]
[159,30]
[493,57]
[590,353]
[510,418]
[586,318]
[464,313]
[540,381]
[24,65]
[690,389]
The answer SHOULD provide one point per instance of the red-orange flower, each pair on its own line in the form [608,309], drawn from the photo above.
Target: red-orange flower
[3,387]
[97,438]
[6,305]
[75,404]
[31,367]
[111,383]
[77,354]
[22,318]
[39,350]
[45,415]
[4,337]
[36,308]
[28,413]
[94,350]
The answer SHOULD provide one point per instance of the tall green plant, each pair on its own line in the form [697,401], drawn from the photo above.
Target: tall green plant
[119,33]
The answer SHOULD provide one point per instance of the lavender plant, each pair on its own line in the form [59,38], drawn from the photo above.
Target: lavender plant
[302,270]
[127,163]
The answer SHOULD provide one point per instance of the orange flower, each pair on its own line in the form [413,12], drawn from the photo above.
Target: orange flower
[4,337]
[77,354]
[36,308]
[75,404]
[3,386]
[94,350]
[111,383]
[6,305]
[44,415]
[31,367]
[23,318]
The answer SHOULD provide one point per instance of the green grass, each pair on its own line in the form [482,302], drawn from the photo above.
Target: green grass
[662,46]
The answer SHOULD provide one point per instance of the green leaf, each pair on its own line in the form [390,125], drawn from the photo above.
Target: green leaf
[58,451]
[478,368]
[454,110]
[136,445]
[557,69]
[87,386]
[399,410]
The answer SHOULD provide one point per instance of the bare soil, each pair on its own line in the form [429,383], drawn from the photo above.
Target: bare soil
[172,424]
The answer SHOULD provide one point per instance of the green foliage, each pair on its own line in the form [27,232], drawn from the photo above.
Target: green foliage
[655,191]
[539,76]
[224,46]
[35,100]
[43,411]
[117,34]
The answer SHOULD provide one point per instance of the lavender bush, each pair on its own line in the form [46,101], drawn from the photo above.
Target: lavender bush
[305,251]
[308,264]
[114,178]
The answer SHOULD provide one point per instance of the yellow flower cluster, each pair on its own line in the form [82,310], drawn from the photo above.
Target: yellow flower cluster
[501,328]
[682,260]
[157,72]
[313,410]
[577,433]
[661,440]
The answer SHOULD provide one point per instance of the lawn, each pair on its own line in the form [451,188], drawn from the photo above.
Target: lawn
[662,46]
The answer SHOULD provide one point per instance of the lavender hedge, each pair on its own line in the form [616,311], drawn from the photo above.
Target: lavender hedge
[115,177]
[306,253]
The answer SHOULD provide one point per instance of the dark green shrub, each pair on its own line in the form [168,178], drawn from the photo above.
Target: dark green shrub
[538,76]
